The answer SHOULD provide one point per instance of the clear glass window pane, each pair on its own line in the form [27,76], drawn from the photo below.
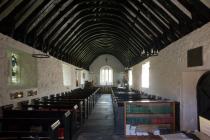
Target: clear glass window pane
[106,75]
[145,75]
[130,78]
[66,75]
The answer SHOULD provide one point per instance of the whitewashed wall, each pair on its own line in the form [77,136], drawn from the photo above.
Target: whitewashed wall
[47,74]
[168,72]
[113,62]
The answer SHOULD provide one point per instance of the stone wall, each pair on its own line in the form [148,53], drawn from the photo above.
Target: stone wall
[170,77]
[42,75]
[113,62]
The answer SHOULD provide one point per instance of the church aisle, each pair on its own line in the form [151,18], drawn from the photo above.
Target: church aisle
[100,124]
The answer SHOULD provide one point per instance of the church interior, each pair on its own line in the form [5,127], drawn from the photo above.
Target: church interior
[104,70]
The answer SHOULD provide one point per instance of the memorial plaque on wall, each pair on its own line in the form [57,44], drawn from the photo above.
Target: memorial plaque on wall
[195,57]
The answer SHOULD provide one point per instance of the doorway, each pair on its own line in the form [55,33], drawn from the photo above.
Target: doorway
[203,96]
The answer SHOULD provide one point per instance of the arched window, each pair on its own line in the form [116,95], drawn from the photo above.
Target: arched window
[106,75]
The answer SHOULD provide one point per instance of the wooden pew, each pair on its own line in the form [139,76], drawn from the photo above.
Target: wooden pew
[81,102]
[80,110]
[88,102]
[88,94]
[75,119]
[76,107]
[21,128]
[76,96]
[82,96]
[64,117]
[7,107]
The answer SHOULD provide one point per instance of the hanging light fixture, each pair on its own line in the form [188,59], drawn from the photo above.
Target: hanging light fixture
[127,68]
[41,53]
[149,53]
[78,69]
[153,50]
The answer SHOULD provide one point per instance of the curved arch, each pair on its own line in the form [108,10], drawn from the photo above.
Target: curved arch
[203,95]
[108,29]
[107,23]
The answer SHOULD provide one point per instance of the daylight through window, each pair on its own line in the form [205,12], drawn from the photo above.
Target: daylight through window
[106,75]
[145,75]
[130,78]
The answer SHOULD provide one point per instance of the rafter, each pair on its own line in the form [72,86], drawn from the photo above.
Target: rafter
[78,31]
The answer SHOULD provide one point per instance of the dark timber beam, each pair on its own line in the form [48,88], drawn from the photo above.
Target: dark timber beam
[100,28]
[9,8]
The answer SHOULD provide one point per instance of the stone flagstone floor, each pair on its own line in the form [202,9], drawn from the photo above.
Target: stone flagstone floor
[100,124]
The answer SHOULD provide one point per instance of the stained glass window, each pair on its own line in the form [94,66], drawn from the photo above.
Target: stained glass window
[14,68]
